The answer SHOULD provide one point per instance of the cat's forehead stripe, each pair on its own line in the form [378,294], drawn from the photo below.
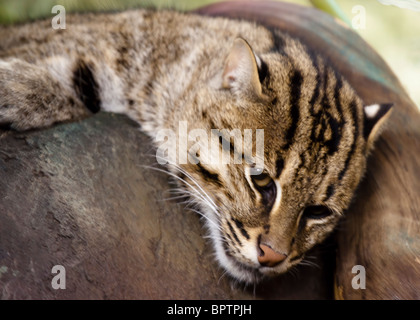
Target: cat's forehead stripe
[318,81]
[279,166]
[334,122]
[294,96]
[353,109]
[329,192]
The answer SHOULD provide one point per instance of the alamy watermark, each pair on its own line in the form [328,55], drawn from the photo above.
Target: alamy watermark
[359,280]
[359,19]
[58,281]
[210,147]
[58,21]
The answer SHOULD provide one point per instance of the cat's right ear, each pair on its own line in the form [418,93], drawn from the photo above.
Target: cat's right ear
[374,117]
[240,73]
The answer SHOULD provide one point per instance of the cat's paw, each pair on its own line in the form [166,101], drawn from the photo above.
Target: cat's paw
[5,121]
[16,111]
[15,96]
[24,109]
[13,117]
[30,98]
[10,111]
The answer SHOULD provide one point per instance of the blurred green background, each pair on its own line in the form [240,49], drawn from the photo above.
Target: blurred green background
[392,31]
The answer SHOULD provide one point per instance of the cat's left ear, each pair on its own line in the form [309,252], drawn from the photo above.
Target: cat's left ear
[240,73]
[374,117]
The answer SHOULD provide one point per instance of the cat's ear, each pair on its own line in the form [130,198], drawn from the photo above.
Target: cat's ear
[374,117]
[240,72]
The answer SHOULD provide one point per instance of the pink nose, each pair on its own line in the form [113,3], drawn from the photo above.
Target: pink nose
[268,257]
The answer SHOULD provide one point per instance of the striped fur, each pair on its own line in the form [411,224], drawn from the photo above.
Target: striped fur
[161,68]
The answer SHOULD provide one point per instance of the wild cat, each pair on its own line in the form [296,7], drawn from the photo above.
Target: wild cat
[163,68]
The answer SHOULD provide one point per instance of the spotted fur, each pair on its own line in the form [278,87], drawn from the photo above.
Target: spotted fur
[163,67]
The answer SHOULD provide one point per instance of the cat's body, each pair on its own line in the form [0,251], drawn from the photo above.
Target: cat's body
[161,68]
[135,57]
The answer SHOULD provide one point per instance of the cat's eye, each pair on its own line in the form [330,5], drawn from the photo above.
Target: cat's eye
[255,171]
[316,212]
[266,187]
[262,180]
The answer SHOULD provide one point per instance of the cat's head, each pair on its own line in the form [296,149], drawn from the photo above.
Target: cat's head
[263,217]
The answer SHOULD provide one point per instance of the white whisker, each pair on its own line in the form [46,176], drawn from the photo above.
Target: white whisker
[309,264]
[222,276]
[176,166]
[207,218]
[186,182]
[174,198]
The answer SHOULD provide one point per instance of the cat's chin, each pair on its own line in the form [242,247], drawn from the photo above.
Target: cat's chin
[242,272]
[249,274]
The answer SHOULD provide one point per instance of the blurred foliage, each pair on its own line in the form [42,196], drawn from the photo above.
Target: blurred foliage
[331,7]
[23,10]
[393,32]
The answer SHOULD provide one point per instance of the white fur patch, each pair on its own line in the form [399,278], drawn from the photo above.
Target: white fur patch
[60,68]
[112,93]
[276,204]
[221,256]
[372,110]
[4,64]
[257,58]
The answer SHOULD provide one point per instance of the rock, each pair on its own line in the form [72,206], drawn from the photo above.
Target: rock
[84,196]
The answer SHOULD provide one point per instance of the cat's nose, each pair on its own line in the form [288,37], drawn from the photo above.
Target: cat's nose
[268,257]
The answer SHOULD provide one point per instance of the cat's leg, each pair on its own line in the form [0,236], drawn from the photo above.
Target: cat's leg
[39,95]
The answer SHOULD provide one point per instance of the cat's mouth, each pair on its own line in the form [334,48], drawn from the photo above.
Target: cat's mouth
[254,273]
[251,274]
[252,260]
